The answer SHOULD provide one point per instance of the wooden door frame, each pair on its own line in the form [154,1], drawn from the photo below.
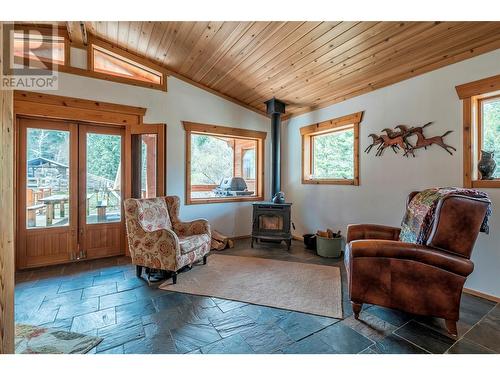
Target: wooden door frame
[160,130]
[54,107]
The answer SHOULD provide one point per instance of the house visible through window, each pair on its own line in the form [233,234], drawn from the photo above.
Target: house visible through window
[222,167]
[490,129]
[330,151]
[107,62]
[32,48]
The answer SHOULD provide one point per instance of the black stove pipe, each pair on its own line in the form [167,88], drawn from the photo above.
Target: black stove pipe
[275,108]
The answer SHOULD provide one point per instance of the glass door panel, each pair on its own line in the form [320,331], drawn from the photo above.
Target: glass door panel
[103,168]
[47,178]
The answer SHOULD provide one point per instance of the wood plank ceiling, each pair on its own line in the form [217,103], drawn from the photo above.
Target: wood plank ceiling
[309,65]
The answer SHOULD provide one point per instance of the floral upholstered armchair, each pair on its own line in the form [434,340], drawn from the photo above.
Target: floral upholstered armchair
[159,240]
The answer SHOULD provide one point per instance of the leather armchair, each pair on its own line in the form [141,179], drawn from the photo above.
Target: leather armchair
[158,239]
[419,279]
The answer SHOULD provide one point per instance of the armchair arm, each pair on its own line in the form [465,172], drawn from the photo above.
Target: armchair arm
[409,251]
[371,231]
[190,228]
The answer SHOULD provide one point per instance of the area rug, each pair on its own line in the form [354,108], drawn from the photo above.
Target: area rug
[308,288]
[40,340]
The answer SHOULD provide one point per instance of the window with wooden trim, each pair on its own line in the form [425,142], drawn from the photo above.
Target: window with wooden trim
[223,164]
[104,60]
[481,125]
[330,151]
[39,48]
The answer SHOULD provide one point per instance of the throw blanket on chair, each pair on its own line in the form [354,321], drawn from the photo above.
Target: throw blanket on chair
[419,217]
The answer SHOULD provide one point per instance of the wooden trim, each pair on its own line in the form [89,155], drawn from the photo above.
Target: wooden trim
[335,123]
[307,134]
[486,183]
[472,95]
[7,220]
[160,131]
[216,130]
[223,130]
[93,41]
[489,297]
[59,107]
[65,101]
[467,142]
[478,87]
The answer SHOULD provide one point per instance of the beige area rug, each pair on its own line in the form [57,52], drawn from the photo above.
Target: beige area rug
[308,288]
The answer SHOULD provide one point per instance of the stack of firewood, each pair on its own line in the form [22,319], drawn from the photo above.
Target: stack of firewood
[220,242]
[329,233]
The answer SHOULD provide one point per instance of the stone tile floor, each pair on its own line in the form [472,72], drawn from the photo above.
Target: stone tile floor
[105,298]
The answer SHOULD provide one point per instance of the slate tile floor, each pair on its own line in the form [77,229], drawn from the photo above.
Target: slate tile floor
[104,298]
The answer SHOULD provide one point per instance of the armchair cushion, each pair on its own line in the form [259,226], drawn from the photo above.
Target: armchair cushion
[371,231]
[408,251]
[153,214]
[194,242]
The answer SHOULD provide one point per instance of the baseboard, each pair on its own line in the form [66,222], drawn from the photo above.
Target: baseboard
[297,238]
[489,297]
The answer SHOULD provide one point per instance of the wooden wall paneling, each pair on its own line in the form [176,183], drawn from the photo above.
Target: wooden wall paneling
[261,72]
[402,60]
[202,67]
[307,66]
[342,55]
[7,218]
[340,35]
[205,42]
[238,48]
[278,42]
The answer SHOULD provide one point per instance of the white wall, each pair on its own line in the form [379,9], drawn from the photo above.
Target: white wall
[386,181]
[181,102]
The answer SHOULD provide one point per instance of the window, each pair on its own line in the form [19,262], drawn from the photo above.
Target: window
[481,122]
[223,164]
[330,151]
[105,61]
[37,49]
[489,129]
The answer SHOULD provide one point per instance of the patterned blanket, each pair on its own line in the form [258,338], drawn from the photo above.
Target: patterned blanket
[419,217]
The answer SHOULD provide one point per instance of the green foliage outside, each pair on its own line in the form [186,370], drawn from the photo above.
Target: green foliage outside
[491,131]
[48,144]
[211,160]
[333,155]
[103,155]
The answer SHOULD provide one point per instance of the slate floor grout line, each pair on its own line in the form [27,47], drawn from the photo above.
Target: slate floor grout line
[418,346]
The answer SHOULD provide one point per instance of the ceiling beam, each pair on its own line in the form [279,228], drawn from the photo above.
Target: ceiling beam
[77,32]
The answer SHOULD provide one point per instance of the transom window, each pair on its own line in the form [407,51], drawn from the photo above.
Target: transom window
[108,62]
[36,49]
[223,164]
[330,151]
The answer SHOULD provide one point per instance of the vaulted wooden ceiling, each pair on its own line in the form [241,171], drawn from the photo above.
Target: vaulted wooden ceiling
[307,64]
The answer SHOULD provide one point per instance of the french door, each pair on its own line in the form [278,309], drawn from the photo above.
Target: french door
[71,184]
[100,187]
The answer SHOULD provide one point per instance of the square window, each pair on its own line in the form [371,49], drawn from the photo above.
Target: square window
[330,151]
[224,166]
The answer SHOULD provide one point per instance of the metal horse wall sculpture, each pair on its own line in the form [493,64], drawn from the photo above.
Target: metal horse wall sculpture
[398,138]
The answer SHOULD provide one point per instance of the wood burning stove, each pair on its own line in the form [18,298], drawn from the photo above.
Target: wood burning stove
[271,222]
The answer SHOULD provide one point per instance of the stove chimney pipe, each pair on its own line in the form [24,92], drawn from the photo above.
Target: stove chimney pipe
[275,108]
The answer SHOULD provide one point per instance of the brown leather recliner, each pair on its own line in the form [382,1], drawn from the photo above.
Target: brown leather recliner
[422,280]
